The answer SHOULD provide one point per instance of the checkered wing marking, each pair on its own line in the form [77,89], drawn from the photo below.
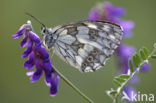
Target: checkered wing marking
[87,45]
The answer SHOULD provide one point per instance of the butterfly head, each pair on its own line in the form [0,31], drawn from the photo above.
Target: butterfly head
[46,33]
[48,38]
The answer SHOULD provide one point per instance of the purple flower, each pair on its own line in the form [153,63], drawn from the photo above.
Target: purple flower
[38,57]
[94,14]
[130,92]
[123,54]
[145,68]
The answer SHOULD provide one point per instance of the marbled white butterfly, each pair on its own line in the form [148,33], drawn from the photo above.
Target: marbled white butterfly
[85,45]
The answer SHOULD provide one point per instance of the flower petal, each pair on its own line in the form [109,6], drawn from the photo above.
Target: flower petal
[94,14]
[23,42]
[125,50]
[38,73]
[47,83]
[34,38]
[36,76]
[30,73]
[30,62]
[119,11]
[28,50]
[130,92]
[19,32]
[54,84]
[42,52]
[145,68]
[48,70]
[127,26]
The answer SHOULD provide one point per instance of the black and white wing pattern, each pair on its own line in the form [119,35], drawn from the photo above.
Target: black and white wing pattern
[87,45]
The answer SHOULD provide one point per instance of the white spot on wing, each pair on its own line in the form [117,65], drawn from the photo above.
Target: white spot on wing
[106,28]
[105,61]
[112,37]
[88,69]
[91,25]
[92,43]
[82,30]
[82,36]
[88,48]
[102,58]
[82,53]
[113,46]
[79,60]
[68,39]
[96,65]
[106,52]
[64,32]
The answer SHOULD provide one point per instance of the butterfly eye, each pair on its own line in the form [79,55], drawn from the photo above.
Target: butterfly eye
[44,30]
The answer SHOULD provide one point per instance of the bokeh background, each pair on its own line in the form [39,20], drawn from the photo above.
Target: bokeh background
[14,84]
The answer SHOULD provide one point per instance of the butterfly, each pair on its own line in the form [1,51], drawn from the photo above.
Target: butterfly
[86,45]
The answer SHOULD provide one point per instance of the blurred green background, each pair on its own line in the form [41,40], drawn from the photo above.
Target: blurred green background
[14,84]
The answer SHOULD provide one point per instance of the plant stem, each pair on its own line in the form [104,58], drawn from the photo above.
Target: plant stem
[73,86]
[115,100]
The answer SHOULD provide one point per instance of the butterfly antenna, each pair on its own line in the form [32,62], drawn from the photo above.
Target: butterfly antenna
[38,20]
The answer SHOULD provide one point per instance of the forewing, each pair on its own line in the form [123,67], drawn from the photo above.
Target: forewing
[87,45]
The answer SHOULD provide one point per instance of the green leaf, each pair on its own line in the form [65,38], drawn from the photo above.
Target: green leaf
[146,51]
[142,55]
[119,79]
[130,66]
[114,92]
[138,59]
[135,62]
[117,83]
[153,56]
[124,76]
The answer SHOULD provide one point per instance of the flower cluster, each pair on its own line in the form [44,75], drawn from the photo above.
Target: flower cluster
[38,57]
[107,12]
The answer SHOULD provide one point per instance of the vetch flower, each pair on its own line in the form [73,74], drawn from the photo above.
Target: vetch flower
[123,54]
[38,57]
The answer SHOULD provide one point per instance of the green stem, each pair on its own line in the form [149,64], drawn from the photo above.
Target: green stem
[115,100]
[133,74]
[73,86]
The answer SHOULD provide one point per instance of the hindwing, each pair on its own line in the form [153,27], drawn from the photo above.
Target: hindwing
[87,45]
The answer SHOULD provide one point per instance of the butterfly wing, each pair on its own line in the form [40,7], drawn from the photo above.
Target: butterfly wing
[87,45]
